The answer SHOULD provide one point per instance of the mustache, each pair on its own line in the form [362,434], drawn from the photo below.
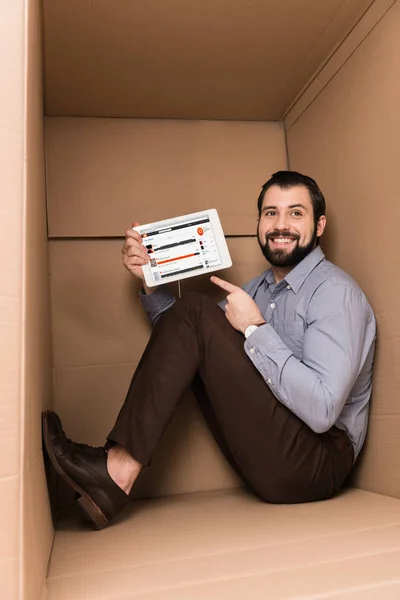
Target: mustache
[282,233]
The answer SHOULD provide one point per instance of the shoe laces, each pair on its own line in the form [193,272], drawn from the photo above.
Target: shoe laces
[92,450]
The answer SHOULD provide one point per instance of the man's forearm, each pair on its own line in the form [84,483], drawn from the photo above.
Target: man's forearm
[316,383]
[295,386]
[316,396]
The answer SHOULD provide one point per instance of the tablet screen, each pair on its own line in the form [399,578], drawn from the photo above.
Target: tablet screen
[186,246]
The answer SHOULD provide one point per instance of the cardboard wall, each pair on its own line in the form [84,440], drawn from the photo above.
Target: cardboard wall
[100,173]
[347,138]
[11,203]
[187,60]
[103,173]
[26,533]
[37,528]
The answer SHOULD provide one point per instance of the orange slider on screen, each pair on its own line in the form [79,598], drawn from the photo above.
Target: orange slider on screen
[162,262]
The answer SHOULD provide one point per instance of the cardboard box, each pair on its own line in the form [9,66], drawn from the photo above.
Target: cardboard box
[153,109]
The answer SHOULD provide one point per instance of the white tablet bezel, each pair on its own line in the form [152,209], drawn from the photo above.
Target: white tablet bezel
[219,236]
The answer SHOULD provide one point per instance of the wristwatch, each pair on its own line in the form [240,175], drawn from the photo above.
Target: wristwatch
[251,329]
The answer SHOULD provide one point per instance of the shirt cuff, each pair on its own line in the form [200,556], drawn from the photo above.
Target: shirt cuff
[263,338]
[269,354]
[157,302]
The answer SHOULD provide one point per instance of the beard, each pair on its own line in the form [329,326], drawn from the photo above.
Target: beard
[283,258]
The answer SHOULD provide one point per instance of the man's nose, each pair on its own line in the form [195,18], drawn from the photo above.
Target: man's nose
[282,222]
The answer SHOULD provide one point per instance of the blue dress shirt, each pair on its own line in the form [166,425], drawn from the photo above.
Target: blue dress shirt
[316,350]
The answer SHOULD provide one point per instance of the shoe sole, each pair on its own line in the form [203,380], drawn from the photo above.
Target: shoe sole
[85,502]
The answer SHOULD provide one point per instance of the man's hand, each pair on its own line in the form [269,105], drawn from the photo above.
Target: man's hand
[134,255]
[241,310]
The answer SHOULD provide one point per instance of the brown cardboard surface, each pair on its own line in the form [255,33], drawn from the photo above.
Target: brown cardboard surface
[88,400]
[230,544]
[37,530]
[198,60]
[381,456]
[97,317]
[95,357]
[187,459]
[12,46]
[348,140]
[347,576]
[388,590]
[10,564]
[104,173]
[327,71]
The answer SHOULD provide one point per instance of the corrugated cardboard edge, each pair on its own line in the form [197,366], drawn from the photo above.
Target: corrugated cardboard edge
[36,534]
[336,61]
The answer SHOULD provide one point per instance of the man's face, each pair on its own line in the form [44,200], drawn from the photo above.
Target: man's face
[287,231]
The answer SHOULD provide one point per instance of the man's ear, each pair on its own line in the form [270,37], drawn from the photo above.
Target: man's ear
[321,225]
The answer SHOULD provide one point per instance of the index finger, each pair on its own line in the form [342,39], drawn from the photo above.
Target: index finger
[225,285]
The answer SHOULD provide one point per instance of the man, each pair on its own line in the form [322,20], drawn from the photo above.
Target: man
[283,374]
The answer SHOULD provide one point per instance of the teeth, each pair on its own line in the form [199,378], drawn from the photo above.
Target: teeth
[282,240]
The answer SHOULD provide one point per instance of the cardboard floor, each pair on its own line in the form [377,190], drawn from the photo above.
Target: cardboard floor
[229,544]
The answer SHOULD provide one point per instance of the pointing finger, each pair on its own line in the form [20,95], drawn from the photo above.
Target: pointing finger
[225,285]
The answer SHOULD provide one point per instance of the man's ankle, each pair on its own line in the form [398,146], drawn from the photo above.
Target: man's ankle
[122,468]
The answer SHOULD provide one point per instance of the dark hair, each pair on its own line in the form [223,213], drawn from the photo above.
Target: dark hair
[289,179]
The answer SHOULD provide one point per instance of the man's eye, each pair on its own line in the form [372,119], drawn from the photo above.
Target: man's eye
[296,213]
[270,213]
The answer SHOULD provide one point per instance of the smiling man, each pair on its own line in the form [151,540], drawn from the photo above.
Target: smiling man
[282,373]
[289,223]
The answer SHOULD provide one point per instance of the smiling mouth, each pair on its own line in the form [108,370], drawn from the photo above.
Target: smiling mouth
[282,241]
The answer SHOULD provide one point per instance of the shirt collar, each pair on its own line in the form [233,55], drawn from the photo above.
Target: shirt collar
[299,274]
[269,277]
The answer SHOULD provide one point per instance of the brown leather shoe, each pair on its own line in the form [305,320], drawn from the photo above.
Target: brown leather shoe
[84,469]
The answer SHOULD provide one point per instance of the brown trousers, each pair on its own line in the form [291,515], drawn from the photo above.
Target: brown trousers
[276,454]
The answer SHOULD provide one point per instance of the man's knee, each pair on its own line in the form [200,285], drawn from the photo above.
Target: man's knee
[191,299]
[195,301]
[202,312]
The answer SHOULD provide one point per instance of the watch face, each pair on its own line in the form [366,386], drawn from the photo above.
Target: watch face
[249,330]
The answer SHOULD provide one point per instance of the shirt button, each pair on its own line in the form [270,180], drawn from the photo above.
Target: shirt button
[288,287]
[251,350]
[272,305]
[269,380]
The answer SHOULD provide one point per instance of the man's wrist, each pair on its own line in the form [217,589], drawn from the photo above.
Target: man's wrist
[252,327]
[148,290]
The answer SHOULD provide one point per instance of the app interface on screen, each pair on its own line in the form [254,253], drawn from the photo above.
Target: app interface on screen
[184,247]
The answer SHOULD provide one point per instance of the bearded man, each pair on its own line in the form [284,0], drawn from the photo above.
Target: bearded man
[281,369]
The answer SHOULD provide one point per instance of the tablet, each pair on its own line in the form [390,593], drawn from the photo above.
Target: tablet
[183,247]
